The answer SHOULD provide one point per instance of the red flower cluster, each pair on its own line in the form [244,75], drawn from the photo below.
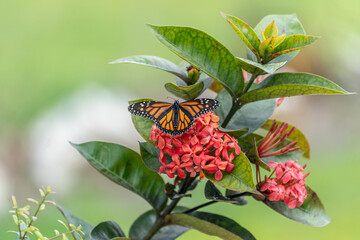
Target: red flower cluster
[203,148]
[288,185]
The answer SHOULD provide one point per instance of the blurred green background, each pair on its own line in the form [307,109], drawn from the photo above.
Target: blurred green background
[53,64]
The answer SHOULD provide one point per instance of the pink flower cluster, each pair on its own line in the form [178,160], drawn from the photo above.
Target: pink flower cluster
[288,185]
[203,148]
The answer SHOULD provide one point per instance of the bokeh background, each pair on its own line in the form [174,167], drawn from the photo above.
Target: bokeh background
[56,86]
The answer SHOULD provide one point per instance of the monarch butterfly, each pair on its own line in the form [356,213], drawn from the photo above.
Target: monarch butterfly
[174,119]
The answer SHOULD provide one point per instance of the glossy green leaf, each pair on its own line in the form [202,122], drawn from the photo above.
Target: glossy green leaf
[311,212]
[144,222]
[106,230]
[211,224]
[288,24]
[266,48]
[72,219]
[251,66]
[293,43]
[240,200]
[271,30]
[240,179]
[246,33]
[142,125]
[235,133]
[296,135]
[213,193]
[125,167]
[291,84]
[156,62]
[150,156]
[203,52]
[185,92]
[252,116]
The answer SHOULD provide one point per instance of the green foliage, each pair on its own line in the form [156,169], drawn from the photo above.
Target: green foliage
[212,224]
[185,92]
[155,62]
[141,226]
[291,84]
[205,53]
[106,230]
[251,116]
[25,220]
[286,24]
[125,167]
[311,212]
[240,179]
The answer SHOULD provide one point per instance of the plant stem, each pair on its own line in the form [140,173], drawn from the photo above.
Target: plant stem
[161,218]
[60,235]
[251,81]
[212,202]
[235,106]
[18,217]
[200,206]
[36,213]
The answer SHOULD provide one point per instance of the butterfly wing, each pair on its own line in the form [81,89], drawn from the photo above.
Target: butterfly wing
[198,107]
[150,109]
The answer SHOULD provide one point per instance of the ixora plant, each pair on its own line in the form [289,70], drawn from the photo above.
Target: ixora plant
[219,140]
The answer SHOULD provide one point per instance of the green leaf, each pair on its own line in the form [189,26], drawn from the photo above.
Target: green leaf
[150,156]
[251,66]
[293,43]
[142,125]
[296,135]
[266,48]
[240,200]
[125,167]
[251,116]
[212,193]
[156,62]
[211,224]
[311,212]
[246,33]
[106,230]
[240,179]
[144,222]
[185,92]
[72,219]
[235,133]
[288,24]
[205,53]
[271,30]
[291,84]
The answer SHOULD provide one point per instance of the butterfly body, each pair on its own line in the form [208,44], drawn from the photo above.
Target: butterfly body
[176,118]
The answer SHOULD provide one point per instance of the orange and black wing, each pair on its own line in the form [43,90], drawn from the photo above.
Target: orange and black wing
[167,122]
[195,108]
[150,109]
